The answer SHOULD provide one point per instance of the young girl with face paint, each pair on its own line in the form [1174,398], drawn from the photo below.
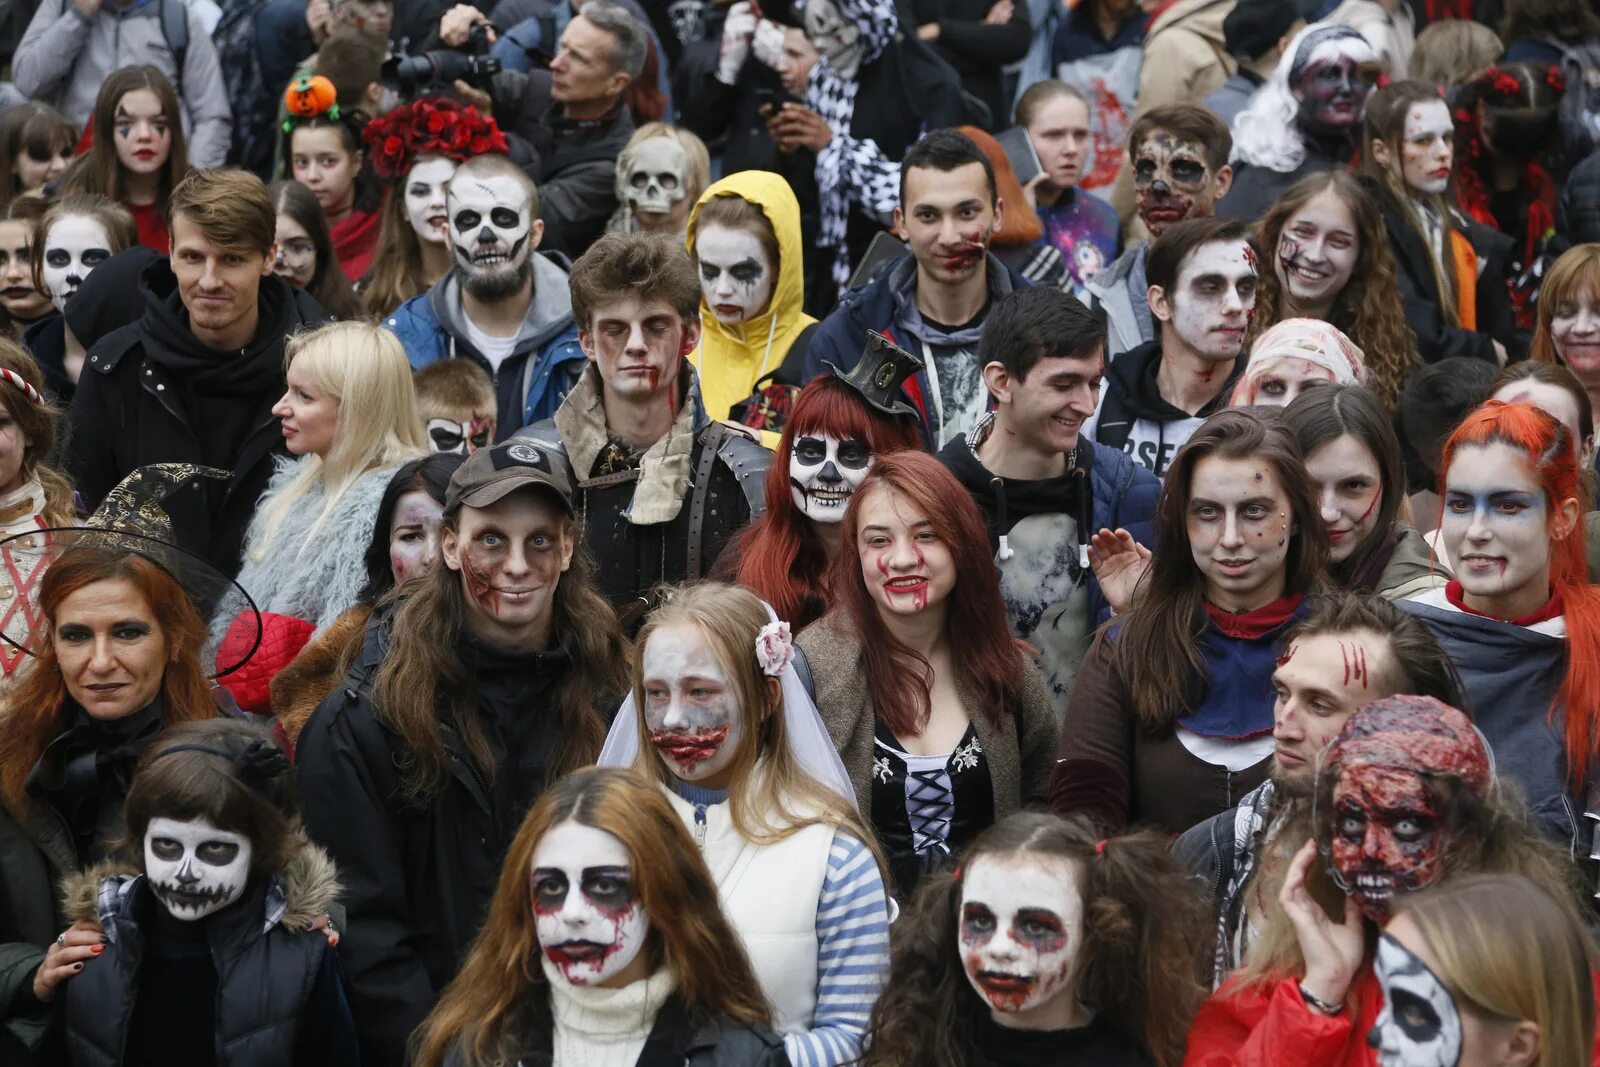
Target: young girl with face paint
[603,937]
[721,722]
[77,234]
[1521,619]
[944,723]
[1451,269]
[1488,971]
[324,150]
[1045,946]
[1568,326]
[1172,709]
[220,901]
[305,252]
[1291,355]
[1353,458]
[744,233]
[138,153]
[1330,261]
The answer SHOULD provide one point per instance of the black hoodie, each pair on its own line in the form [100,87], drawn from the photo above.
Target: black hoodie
[154,393]
[1135,417]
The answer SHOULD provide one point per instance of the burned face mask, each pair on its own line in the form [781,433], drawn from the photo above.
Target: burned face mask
[653,175]
[1420,1025]
[1170,178]
[193,868]
[824,473]
[490,224]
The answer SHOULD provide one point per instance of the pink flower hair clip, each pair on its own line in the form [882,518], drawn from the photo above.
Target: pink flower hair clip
[774,648]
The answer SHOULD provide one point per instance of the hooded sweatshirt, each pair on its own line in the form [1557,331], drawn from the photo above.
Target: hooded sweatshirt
[1133,415]
[731,359]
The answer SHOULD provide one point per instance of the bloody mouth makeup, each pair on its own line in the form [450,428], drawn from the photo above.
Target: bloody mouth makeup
[1496,528]
[1169,177]
[906,566]
[691,711]
[590,922]
[1019,932]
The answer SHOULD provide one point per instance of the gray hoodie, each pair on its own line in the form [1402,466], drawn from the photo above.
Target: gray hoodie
[1121,292]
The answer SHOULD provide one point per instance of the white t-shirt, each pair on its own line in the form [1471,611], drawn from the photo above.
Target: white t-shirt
[494,349]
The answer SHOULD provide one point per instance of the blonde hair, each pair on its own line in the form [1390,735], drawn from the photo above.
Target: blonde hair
[364,367]
[1449,52]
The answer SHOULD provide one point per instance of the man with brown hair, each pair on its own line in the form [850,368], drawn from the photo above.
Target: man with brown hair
[662,487]
[195,378]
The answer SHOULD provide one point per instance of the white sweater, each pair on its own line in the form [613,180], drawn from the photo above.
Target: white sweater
[598,1027]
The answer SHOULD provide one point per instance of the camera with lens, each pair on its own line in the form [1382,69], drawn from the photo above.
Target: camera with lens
[471,63]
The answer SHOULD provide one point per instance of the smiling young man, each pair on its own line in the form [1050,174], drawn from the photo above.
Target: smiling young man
[1024,465]
[662,487]
[195,379]
[1202,276]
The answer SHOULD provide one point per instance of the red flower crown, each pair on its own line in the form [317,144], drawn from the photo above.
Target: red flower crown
[1501,88]
[430,126]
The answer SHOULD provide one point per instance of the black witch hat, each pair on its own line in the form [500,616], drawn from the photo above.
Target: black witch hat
[880,372]
[130,519]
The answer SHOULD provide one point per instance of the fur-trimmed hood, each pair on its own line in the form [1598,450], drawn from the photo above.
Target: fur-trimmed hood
[300,895]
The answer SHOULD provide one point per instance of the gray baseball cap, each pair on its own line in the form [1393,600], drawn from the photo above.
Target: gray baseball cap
[490,473]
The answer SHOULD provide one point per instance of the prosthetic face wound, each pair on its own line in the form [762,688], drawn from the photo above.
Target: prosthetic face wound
[824,473]
[1020,931]
[489,225]
[194,868]
[75,246]
[1420,1025]
[587,915]
[690,708]
[653,175]
[736,274]
[834,36]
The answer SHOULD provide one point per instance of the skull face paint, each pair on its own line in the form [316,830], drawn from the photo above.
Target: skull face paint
[1020,929]
[736,274]
[690,708]
[75,245]
[590,922]
[490,225]
[427,198]
[462,438]
[653,175]
[1331,91]
[1419,1025]
[1170,178]
[824,473]
[193,868]
[835,37]
[1386,836]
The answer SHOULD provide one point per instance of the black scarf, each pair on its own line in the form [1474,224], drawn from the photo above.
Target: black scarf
[85,773]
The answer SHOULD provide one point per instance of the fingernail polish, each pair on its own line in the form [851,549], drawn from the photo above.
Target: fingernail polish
[77,966]
[98,949]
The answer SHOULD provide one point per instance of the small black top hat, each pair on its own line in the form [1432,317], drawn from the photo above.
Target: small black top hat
[880,372]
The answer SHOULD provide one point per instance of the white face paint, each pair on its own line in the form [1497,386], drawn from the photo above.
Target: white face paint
[835,37]
[736,274]
[589,920]
[1020,930]
[427,202]
[1428,152]
[463,438]
[194,868]
[1211,303]
[690,708]
[76,245]
[1419,1025]
[489,229]
[414,535]
[653,175]
[824,473]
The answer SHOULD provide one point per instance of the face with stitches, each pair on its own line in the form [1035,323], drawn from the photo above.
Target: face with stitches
[1019,933]
[1172,181]
[193,867]
[736,274]
[1349,492]
[1496,527]
[825,472]
[690,708]
[427,198]
[1317,252]
[588,916]
[1209,307]
[493,233]
[1239,526]
[907,567]
[75,245]
[1319,681]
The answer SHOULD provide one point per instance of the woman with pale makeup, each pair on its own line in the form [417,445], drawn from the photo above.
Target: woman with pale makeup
[1291,355]
[729,734]
[943,722]
[305,256]
[1567,330]
[603,945]
[1047,945]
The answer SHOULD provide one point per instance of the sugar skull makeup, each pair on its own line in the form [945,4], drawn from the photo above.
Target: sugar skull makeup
[835,37]
[1420,1025]
[653,175]
[427,198]
[824,473]
[1170,177]
[690,709]
[463,438]
[1496,525]
[1019,932]
[194,868]
[588,917]
[490,224]
[736,274]
[75,245]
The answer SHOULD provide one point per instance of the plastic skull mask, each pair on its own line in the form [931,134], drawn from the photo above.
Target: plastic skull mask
[653,175]
[835,36]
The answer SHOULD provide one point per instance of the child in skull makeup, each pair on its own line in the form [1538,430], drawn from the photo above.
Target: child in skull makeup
[720,720]
[1045,946]
[455,401]
[78,233]
[214,942]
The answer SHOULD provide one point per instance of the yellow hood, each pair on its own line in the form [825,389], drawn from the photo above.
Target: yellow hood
[731,358]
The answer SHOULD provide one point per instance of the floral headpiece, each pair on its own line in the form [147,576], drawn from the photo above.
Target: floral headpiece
[774,648]
[307,97]
[1500,88]
[430,126]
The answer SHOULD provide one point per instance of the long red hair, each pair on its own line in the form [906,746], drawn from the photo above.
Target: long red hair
[1552,461]
[781,558]
[988,660]
[37,707]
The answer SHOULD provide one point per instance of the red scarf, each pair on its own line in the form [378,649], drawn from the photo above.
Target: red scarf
[1551,610]
[355,239]
[1258,622]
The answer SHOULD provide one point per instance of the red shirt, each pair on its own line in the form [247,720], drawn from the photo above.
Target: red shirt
[152,227]
[355,239]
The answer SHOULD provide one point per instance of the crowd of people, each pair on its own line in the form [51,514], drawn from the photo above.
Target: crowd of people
[971,533]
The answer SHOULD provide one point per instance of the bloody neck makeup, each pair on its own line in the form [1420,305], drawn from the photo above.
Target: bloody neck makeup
[690,709]
[1019,934]
[590,922]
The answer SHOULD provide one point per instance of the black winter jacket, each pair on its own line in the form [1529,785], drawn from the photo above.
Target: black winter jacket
[154,393]
[977,50]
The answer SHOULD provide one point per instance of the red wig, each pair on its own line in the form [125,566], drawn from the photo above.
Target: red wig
[781,558]
[988,660]
[1552,461]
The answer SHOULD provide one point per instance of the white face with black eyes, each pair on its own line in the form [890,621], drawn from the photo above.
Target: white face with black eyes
[736,274]
[75,245]
[194,868]
[490,229]
[1419,1025]
[824,473]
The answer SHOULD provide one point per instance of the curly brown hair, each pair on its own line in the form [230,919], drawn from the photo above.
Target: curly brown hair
[1368,310]
[1139,966]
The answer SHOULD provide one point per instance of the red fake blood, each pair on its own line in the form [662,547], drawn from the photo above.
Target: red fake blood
[479,585]
[1250,258]
[689,750]
[1288,654]
[1007,992]
[920,599]
[655,377]
[1371,507]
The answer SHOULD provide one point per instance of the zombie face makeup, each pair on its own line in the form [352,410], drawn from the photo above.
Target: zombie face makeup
[906,565]
[1331,89]
[1420,1025]
[194,868]
[1575,333]
[1350,492]
[824,473]
[590,922]
[1319,681]
[1210,306]
[835,37]
[1020,931]
[1239,527]
[462,438]
[17,292]
[1386,836]
[1317,252]
[1281,381]
[75,245]
[510,556]
[414,535]
[639,346]
[1496,528]
[492,232]
[427,198]
[736,274]
[296,262]
[1171,181]
[948,218]
[653,177]
[1428,148]
[690,708]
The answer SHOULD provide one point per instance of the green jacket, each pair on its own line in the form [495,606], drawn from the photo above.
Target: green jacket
[36,853]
